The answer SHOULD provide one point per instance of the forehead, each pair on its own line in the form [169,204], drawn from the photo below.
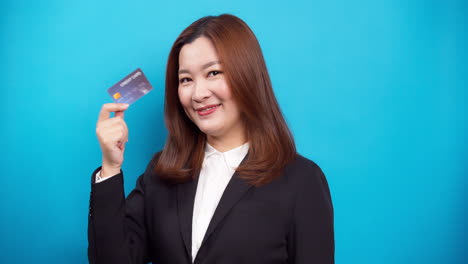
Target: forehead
[197,53]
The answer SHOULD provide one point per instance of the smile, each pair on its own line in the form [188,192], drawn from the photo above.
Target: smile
[206,110]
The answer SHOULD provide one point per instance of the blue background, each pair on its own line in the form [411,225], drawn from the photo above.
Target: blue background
[375,92]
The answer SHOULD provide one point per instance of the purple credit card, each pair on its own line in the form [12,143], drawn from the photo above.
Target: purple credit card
[130,88]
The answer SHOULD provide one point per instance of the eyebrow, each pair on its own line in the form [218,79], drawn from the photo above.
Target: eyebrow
[206,65]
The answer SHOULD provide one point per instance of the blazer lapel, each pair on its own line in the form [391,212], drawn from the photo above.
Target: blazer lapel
[185,201]
[234,191]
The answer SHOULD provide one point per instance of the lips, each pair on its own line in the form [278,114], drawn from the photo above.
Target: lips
[206,110]
[206,107]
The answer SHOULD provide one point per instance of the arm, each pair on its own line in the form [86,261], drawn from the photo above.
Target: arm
[116,226]
[311,236]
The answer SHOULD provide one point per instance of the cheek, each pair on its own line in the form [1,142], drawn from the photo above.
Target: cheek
[234,111]
[225,94]
[184,97]
[224,91]
[185,100]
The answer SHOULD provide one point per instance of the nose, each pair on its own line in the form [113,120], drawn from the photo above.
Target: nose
[200,92]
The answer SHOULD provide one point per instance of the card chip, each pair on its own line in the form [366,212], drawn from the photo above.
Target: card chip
[117,96]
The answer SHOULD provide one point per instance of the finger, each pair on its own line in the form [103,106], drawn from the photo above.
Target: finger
[125,128]
[120,114]
[109,108]
[111,122]
[113,137]
[121,145]
[104,128]
[108,132]
[118,134]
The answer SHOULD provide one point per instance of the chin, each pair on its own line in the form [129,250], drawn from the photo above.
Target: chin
[210,131]
[209,127]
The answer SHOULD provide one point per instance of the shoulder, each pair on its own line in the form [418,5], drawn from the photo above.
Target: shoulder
[305,173]
[152,163]
[302,166]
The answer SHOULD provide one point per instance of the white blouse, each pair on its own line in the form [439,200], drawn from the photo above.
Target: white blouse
[216,172]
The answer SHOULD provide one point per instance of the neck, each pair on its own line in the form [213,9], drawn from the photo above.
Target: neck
[223,144]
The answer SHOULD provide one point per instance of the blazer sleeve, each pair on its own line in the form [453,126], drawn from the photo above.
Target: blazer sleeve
[116,226]
[311,236]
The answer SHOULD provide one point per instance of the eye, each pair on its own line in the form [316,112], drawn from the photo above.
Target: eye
[184,80]
[213,73]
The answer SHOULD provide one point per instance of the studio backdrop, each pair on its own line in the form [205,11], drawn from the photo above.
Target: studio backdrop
[375,93]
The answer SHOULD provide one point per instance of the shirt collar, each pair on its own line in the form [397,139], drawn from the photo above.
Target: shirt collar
[233,157]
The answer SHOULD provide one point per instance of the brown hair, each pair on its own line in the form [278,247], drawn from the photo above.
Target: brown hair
[271,145]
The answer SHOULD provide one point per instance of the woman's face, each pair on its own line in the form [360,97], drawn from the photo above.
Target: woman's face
[204,92]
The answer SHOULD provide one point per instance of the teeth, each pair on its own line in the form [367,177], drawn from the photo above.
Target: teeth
[206,109]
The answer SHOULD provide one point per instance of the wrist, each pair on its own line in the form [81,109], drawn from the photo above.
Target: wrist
[107,171]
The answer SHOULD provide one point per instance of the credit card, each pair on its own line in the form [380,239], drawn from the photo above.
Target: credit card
[130,88]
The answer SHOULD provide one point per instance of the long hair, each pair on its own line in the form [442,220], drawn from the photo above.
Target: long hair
[271,144]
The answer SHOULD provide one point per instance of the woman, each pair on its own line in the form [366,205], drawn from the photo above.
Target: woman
[228,187]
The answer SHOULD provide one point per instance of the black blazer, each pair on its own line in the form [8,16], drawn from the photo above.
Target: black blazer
[289,220]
